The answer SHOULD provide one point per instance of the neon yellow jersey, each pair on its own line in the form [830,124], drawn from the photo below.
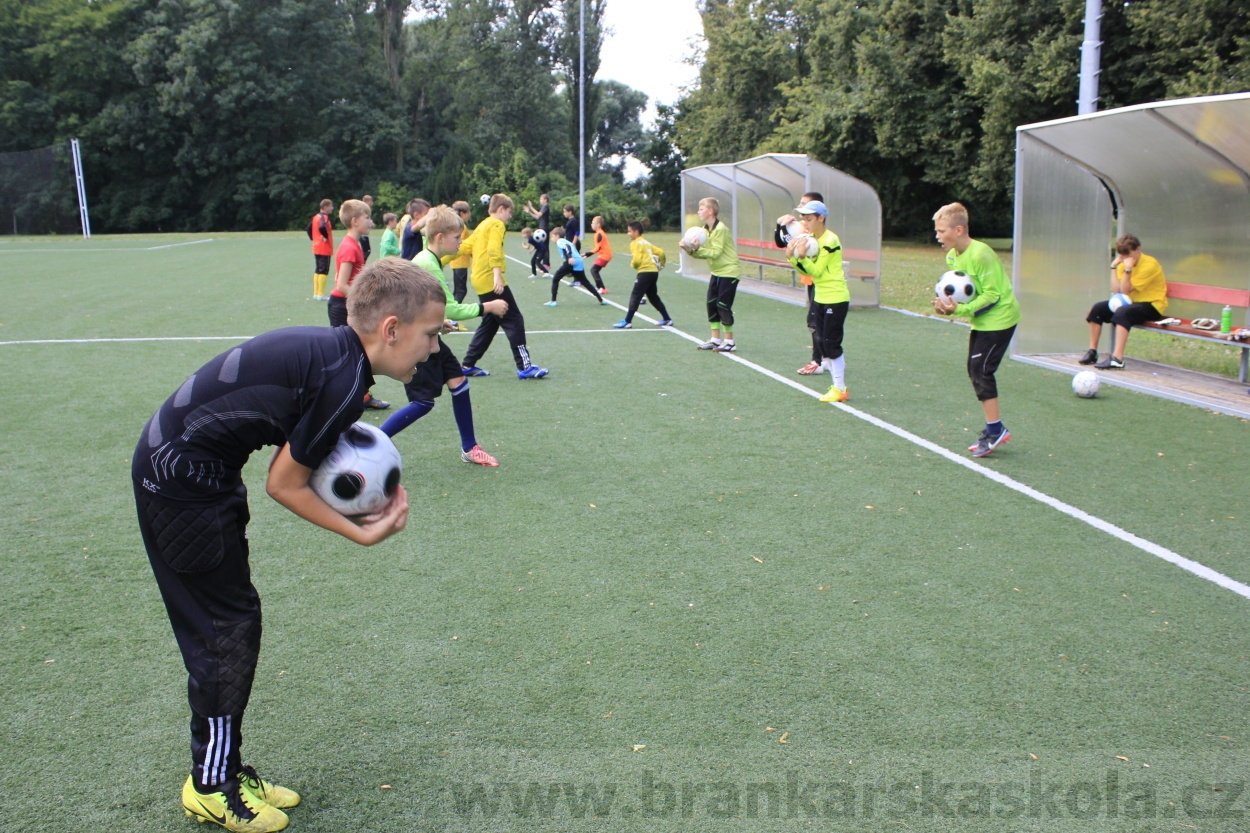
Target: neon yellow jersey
[995,307]
[825,270]
[720,252]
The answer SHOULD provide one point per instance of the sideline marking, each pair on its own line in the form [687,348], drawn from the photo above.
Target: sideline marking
[99,251]
[106,340]
[1189,565]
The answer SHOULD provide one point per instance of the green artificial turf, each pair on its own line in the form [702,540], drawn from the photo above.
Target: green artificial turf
[680,563]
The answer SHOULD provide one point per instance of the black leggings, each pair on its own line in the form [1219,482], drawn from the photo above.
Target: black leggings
[540,261]
[594,273]
[199,555]
[811,322]
[460,284]
[644,284]
[578,277]
[513,325]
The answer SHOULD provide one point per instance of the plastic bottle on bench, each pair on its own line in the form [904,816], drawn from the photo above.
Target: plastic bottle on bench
[1226,320]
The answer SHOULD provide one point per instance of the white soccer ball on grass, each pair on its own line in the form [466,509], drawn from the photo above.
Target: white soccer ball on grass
[1086,384]
[361,473]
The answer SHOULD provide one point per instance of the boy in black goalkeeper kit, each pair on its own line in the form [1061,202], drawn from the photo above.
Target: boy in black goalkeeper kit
[297,389]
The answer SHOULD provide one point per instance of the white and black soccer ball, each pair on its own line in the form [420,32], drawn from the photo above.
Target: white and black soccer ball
[485,198]
[694,238]
[808,246]
[361,473]
[956,286]
[1086,384]
[538,236]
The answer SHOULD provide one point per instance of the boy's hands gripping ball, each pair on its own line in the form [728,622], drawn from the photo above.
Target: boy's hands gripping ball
[361,473]
[956,286]
[694,238]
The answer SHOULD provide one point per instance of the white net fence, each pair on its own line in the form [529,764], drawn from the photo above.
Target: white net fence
[38,193]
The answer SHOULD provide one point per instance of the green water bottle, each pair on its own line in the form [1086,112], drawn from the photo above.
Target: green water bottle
[1226,320]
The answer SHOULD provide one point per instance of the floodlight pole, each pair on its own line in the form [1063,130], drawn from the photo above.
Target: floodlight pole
[581,119]
[1091,59]
[83,216]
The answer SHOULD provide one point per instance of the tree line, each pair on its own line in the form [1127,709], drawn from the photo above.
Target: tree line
[921,98]
[241,114]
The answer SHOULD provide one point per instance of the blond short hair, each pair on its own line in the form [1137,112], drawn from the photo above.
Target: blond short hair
[391,286]
[712,201]
[442,220]
[350,210]
[953,213]
[461,206]
[499,200]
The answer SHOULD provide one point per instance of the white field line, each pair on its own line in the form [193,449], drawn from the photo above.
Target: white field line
[1073,512]
[108,340]
[1111,529]
[103,251]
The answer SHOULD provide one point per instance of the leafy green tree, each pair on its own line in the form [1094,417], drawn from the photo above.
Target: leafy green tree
[659,152]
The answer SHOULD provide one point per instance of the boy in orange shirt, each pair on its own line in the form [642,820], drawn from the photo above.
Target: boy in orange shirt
[321,232]
[602,250]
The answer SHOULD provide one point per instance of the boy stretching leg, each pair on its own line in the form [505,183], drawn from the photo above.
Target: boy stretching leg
[443,227]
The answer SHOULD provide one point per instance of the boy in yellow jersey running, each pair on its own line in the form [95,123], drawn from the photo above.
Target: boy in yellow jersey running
[487,277]
[647,261]
[994,312]
[830,299]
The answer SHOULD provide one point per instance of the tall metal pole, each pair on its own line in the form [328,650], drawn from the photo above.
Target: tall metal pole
[581,119]
[81,185]
[1091,58]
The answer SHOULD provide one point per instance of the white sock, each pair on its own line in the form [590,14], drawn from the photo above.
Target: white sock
[837,370]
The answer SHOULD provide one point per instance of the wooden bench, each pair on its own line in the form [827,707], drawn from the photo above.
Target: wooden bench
[782,263]
[1221,297]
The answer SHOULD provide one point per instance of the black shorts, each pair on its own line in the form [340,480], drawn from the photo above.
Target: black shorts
[986,349]
[337,310]
[323,264]
[432,375]
[1127,316]
[830,323]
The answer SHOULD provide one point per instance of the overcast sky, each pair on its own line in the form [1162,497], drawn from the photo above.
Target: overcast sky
[646,47]
[647,43]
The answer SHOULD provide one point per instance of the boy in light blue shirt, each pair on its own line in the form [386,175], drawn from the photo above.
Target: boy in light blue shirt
[571,263]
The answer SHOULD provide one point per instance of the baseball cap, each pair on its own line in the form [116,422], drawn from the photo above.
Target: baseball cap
[813,207]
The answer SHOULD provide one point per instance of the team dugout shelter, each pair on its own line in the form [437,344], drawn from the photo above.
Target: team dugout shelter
[1174,173]
[753,193]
